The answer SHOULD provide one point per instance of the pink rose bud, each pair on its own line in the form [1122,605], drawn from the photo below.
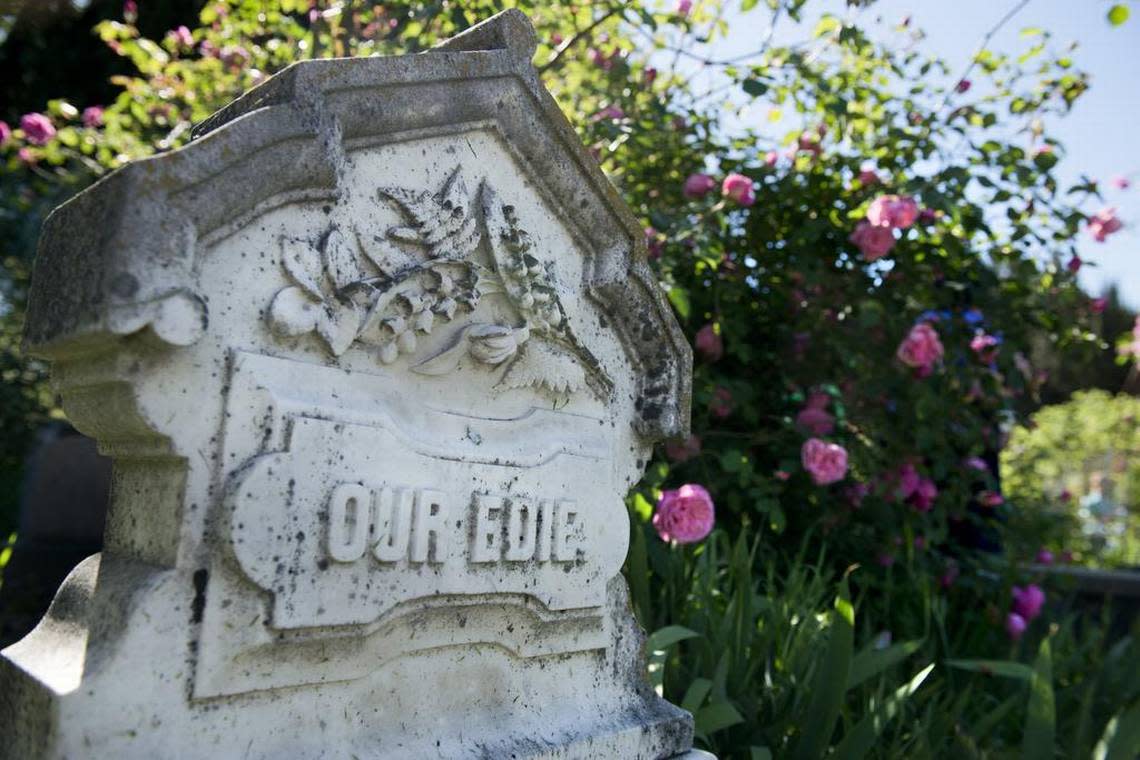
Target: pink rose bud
[1098,305]
[1103,224]
[1028,601]
[182,36]
[921,348]
[928,216]
[873,242]
[739,188]
[650,74]
[976,463]
[825,462]
[1015,625]
[556,39]
[990,499]
[685,515]
[1065,495]
[5,132]
[770,158]
[868,177]
[698,185]
[709,343]
[897,211]
[922,499]
[985,347]
[130,11]
[683,451]
[26,155]
[610,112]
[37,128]
[1121,182]
[92,116]
[683,7]
[1074,264]
[963,86]
[1044,556]
[782,474]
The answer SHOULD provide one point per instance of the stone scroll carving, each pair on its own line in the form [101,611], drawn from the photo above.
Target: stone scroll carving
[455,248]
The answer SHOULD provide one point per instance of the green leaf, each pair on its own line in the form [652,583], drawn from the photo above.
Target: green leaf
[1040,721]
[696,694]
[1121,738]
[754,87]
[871,662]
[679,297]
[830,682]
[1118,14]
[716,717]
[859,740]
[663,638]
[1002,668]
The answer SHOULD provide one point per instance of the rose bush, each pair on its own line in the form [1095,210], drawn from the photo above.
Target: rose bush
[866,278]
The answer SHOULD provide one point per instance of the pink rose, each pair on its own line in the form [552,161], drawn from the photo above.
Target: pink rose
[1015,625]
[721,404]
[130,10]
[698,185]
[1074,264]
[985,347]
[923,496]
[893,211]
[182,36]
[5,132]
[868,177]
[810,144]
[1044,556]
[963,86]
[1098,305]
[770,158]
[685,515]
[92,116]
[873,242]
[1121,182]
[921,348]
[1028,601]
[738,188]
[37,128]
[928,216]
[26,155]
[990,499]
[683,451]
[1103,224]
[825,462]
[709,343]
[683,7]
[610,112]
[976,463]
[907,481]
[1042,150]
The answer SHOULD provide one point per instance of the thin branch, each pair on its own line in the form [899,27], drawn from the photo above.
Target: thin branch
[613,11]
[981,47]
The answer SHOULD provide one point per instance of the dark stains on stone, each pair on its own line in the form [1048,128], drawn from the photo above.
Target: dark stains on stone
[198,606]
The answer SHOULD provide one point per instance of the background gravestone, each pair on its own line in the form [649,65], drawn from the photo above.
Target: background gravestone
[376,358]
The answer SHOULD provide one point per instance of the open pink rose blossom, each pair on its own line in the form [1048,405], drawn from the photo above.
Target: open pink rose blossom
[698,185]
[37,128]
[873,242]
[1104,223]
[1015,625]
[739,188]
[685,515]
[897,211]
[1028,601]
[921,348]
[825,462]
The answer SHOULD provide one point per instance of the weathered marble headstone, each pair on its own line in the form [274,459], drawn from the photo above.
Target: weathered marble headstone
[376,356]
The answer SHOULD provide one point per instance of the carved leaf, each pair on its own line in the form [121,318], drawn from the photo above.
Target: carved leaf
[302,264]
[340,260]
[293,312]
[338,326]
[441,222]
[542,365]
[446,360]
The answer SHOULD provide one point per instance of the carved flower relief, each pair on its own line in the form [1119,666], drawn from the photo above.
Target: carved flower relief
[426,272]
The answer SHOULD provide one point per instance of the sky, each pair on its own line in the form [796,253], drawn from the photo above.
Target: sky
[1101,135]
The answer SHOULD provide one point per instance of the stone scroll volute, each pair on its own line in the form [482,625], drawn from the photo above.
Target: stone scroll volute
[377,357]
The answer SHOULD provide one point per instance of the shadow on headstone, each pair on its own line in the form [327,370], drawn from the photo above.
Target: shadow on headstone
[62,510]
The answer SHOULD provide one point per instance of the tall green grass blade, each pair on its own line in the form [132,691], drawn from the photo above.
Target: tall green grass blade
[696,694]
[1121,738]
[1040,722]
[716,717]
[862,737]
[1003,668]
[657,645]
[994,717]
[871,662]
[829,684]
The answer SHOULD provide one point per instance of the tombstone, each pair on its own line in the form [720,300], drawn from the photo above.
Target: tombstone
[376,356]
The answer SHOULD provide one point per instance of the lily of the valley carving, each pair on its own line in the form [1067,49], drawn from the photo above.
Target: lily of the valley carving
[453,249]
